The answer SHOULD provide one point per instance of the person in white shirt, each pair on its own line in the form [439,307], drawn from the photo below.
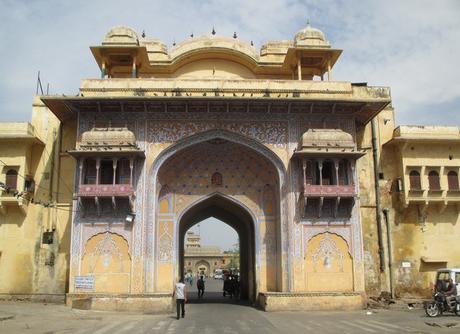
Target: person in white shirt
[180,292]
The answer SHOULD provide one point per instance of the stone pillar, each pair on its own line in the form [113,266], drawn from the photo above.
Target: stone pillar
[131,168]
[98,165]
[352,167]
[304,167]
[299,68]
[329,70]
[336,165]
[103,69]
[320,166]
[82,160]
[114,165]
[134,70]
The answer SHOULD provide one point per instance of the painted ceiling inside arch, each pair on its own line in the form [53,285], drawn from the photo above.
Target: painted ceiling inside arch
[245,173]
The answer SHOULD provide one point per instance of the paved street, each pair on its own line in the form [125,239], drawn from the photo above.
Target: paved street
[210,318]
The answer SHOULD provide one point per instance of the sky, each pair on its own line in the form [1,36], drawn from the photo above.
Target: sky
[412,46]
[215,232]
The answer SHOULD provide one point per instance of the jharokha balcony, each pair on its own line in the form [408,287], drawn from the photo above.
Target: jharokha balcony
[327,159]
[106,168]
[105,190]
[329,190]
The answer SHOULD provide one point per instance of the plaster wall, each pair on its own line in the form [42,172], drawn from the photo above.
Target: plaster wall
[27,266]
[424,233]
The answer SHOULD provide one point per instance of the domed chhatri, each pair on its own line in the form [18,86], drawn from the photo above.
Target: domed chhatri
[311,37]
[121,35]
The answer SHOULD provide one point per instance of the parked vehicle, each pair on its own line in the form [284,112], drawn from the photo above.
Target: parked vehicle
[440,304]
[443,275]
[218,274]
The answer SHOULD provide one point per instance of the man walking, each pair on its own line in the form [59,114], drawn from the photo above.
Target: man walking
[200,287]
[180,292]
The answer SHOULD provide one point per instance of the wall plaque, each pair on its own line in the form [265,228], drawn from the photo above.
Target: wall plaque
[84,282]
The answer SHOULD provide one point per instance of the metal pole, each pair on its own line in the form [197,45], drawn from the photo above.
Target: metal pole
[377,197]
[386,212]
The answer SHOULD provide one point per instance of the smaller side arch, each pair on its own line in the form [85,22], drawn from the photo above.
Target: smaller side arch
[106,257]
[328,264]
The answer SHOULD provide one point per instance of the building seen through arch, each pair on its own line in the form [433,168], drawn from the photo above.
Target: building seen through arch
[204,260]
[309,171]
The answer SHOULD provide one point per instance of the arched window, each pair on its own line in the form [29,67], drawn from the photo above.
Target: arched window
[106,172]
[12,179]
[452,180]
[216,179]
[90,171]
[433,180]
[414,180]
[123,171]
[328,173]
[343,172]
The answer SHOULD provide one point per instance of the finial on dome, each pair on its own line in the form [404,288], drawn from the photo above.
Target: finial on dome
[308,23]
[191,35]
[174,42]
[234,35]
[213,31]
[143,34]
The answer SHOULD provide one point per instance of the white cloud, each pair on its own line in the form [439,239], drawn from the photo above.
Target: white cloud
[411,46]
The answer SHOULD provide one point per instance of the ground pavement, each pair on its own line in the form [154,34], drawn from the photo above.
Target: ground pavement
[215,316]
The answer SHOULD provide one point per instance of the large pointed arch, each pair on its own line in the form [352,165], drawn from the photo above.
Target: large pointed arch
[152,195]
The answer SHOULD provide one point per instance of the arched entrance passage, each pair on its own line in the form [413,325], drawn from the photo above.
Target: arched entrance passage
[195,168]
[239,218]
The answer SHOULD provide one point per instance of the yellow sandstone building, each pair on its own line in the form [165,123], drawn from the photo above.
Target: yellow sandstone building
[331,203]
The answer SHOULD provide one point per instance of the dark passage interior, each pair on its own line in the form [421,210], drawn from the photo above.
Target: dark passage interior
[239,219]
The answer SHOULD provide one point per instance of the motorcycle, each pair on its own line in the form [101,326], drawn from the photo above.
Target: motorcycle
[439,305]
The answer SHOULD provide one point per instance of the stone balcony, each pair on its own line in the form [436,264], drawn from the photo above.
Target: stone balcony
[11,201]
[105,190]
[329,191]
[426,197]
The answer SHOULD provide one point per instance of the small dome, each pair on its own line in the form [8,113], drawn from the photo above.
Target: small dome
[327,138]
[108,139]
[121,36]
[311,37]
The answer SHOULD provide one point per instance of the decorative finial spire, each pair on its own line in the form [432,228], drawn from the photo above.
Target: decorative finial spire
[143,34]
[234,35]
[174,42]
[252,43]
[191,35]
[213,31]
[308,22]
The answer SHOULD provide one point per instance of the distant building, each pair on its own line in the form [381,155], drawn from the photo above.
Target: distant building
[203,260]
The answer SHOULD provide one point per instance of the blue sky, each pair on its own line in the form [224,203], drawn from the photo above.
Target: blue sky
[411,46]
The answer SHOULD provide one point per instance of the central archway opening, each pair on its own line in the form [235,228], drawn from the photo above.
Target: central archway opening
[237,217]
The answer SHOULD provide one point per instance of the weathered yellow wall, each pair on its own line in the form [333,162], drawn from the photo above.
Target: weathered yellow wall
[214,69]
[428,229]
[375,280]
[26,265]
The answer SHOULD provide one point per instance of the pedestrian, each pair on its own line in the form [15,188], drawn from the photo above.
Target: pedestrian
[180,292]
[228,285]
[200,287]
